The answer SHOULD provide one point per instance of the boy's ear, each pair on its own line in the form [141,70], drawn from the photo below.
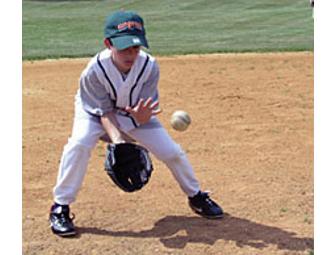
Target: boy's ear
[107,43]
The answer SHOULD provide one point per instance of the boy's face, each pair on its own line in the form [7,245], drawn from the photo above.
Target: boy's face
[124,59]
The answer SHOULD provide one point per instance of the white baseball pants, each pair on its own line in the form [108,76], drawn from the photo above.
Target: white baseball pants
[86,132]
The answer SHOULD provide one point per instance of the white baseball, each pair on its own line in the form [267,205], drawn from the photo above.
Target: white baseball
[180,120]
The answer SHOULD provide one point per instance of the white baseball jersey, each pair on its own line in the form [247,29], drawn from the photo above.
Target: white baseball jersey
[103,88]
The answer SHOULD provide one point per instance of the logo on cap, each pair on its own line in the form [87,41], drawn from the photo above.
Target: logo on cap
[136,40]
[130,25]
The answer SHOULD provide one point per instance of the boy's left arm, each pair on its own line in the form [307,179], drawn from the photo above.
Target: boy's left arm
[111,127]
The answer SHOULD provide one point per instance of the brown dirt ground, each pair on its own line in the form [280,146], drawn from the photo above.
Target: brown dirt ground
[251,144]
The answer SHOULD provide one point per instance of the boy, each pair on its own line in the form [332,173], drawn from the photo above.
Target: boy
[118,96]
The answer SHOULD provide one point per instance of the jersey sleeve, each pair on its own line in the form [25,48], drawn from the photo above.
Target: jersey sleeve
[150,87]
[94,96]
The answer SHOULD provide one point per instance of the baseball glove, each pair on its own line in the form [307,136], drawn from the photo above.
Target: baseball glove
[128,165]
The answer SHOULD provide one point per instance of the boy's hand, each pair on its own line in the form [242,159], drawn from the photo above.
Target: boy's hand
[143,111]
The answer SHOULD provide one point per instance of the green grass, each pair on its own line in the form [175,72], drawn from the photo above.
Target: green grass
[53,29]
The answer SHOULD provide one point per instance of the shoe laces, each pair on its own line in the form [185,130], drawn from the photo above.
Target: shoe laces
[64,217]
[205,197]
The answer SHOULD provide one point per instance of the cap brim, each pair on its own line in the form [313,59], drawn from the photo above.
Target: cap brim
[124,42]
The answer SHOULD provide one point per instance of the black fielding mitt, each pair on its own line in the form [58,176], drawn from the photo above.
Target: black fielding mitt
[128,165]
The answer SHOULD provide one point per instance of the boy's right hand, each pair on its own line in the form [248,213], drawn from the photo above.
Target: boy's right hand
[144,110]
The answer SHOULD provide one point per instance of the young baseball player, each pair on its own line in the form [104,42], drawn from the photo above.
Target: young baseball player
[118,96]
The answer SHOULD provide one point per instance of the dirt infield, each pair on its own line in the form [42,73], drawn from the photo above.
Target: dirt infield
[250,142]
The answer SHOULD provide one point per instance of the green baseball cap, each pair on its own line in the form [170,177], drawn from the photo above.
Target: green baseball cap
[125,29]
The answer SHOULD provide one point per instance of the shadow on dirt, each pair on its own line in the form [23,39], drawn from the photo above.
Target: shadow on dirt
[177,231]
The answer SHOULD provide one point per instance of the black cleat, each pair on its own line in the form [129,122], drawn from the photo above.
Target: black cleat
[60,221]
[203,205]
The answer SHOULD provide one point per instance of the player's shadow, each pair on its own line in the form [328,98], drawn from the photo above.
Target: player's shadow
[177,231]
